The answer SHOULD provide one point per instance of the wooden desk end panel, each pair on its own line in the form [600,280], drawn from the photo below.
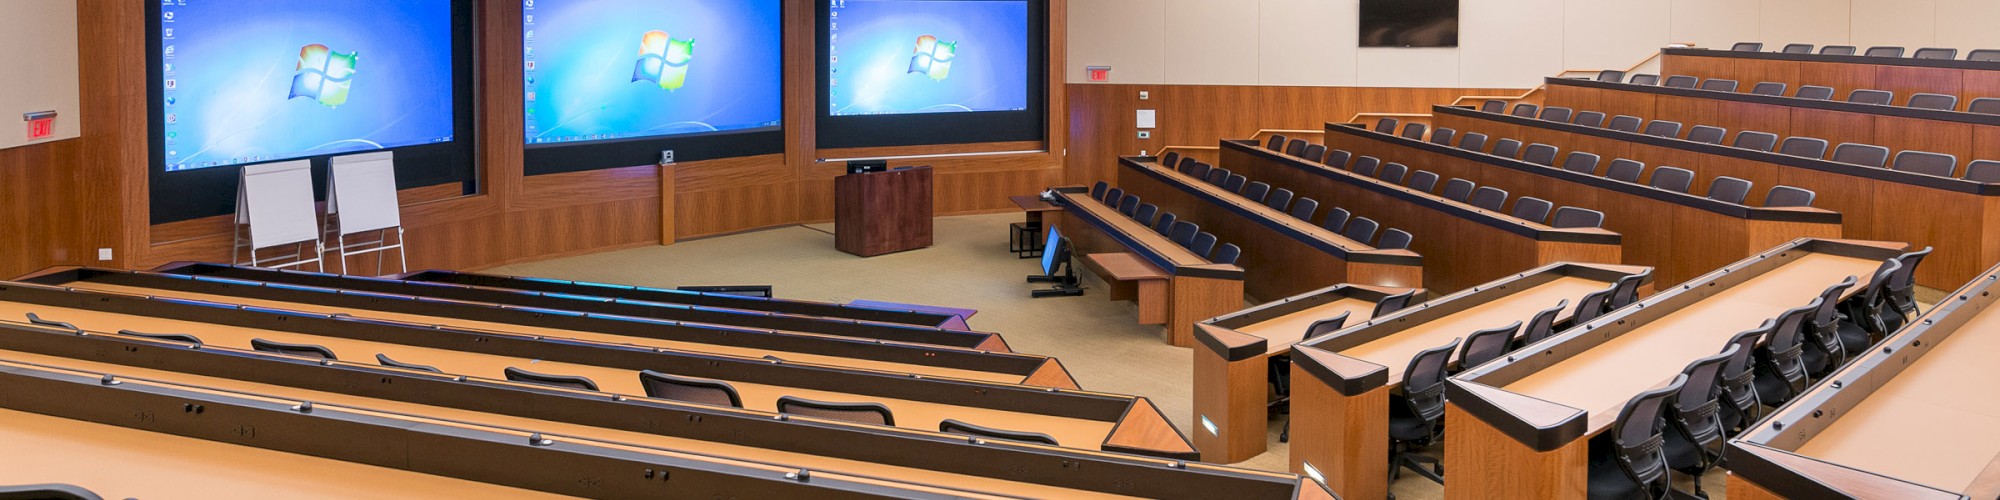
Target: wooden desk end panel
[1742,489]
[1484,462]
[1550,252]
[1191,299]
[1345,438]
[1231,395]
[1764,235]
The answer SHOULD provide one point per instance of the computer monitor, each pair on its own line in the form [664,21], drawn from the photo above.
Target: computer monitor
[1049,251]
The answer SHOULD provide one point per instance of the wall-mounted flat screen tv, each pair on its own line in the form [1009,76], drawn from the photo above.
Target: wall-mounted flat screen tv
[1409,23]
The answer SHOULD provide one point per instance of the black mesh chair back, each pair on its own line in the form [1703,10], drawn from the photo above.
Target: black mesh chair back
[1797,48]
[1489,198]
[1728,189]
[302,350]
[1695,444]
[1773,89]
[1573,217]
[1280,199]
[1313,152]
[1526,110]
[1486,345]
[1925,162]
[1871,96]
[1985,55]
[1395,239]
[1507,148]
[1719,85]
[1861,154]
[1188,163]
[1814,92]
[1663,128]
[1203,244]
[1625,170]
[1932,101]
[1146,213]
[1234,183]
[1645,79]
[1423,180]
[1540,154]
[1592,305]
[1493,106]
[1393,173]
[1532,209]
[1625,123]
[1543,324]
[1326,326]
[863,413]
[386,361]
[1782,368]
[1336,219]
[1423,382]
[1361,229]
[1611,76]
[1295,147]
[1987,171]
[1386,125]
[1276,142]
[1216,176]
[1866,308]
[1747,47]
[1458,190]
[1165,223]
[1391,304]
[1256,191]
[1183,232]
[1681,81]
[1475,141]
[951,426]
[1902,285]
[1625,291]
[1741,403]
[1556,114]
[1171,160]
[1756,141]
[1592,119]
[568,381]
[1824,351]
[1884,51]
[1581,162]
[1113,197]
[1130,205]
[1638,446]
[1442,136]
[1338,158]
[1837,50]
[1367,165]
[1804,147]
[1706,134]
[689,389]
[1304,208]
[1097,190]
[1414,131]
[1673,179]
[1227,255]
[1787,196]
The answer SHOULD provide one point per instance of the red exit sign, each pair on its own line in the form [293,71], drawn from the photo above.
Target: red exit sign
[40,125]
[1098,73]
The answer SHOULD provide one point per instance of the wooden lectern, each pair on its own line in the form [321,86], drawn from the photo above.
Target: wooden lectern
[882,212]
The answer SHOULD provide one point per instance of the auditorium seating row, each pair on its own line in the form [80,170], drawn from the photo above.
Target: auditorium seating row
[1920,100]
[1339,220]
[1188,234]
[1887,51]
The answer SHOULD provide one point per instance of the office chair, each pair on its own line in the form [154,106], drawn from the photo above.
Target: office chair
[1097,190]
[1814,92]
[1884,51]
[1130,205]
[1939,102]
[1556,114]
[1625,123]
[1935,53]
[1304,208]
[1781,369]
[1871,96]
[1112,197]
[1486,345]
[1313,152]
[1171,160]
[1256,191]
[1144,215]
[1592,119]
[1756,141]
[1797,48]
[1901,289]
[1493,106]
[1475,141]
[1227,255]
[864,413]
[1773,89]
[569,381]
[1336,219]
[1183,233]
[1416,414]
[1837,50]
[1719,85]
[1386,125]
[1630,461]
[1927,163]
[1489,198]
[1295,147]
[1867,155]
[1804,147]
[1234,183]
[689,389]
[1681,81]
[1581,162]
[1338,158]
[1280,199]
[1728,189]
[1543,325]
[1540,154]
[1611,76]
[952,426]
[1865,324]
[1984,55]
[1279,370]
[1507,148]
[1787,196]
[1526,110]
[386,361]
[1573,217]
[1217,176]
[1591,306]
[1645,79]
[1822,329]
[1747,47]
[1365,166]
[1741,405]
[1625,291]
[1458,190]
[1414,131]
[1423,180]
[1532,209]
[301,350]
[1663,128]
[1625,170]
[1986,171]
[1706,134]
[1203,244]
[1696,444]
[1165,223]
[1362,229]
[1442,136]
[1390,304]
[1275,143]
[1393,173]
[1395,239]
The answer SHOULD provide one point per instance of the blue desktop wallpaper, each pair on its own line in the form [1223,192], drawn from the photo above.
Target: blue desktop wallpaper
[927,56]
[257,80]
[618,69]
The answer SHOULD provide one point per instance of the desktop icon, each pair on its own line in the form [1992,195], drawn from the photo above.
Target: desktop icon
[663,60]
[933,58]
[323,75]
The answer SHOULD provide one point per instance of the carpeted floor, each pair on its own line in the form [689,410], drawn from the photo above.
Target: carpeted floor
[1099,341]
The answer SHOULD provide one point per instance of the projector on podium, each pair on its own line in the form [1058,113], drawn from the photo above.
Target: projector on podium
[882,212]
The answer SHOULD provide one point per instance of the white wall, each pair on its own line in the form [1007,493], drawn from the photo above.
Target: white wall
[38,68]
[1502,43]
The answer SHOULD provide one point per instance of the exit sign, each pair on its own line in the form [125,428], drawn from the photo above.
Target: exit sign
[40,125]
[1098,73]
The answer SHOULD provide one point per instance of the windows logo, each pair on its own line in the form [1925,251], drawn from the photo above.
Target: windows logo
[323,75]
[663,60]
[933,57]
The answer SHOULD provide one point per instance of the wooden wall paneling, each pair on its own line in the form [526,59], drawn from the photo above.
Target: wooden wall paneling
[1689,111]
[1843,77]
[1978,84]
[41,229]
[1098,121]
[1742,489]
[1910,80]
[1923,223]
[1640,104]
[1740,116]
[1749,72]
[1985,146]
[1904,134]
[1834,126]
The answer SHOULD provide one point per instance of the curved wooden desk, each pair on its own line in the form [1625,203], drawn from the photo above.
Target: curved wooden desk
[649,294]
[1905,76]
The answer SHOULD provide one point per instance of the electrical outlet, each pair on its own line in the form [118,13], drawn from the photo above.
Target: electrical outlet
[666,157]
[1145,134]
[104,254]
[1144,95]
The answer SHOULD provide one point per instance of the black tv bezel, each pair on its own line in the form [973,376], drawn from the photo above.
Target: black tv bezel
[556,158]
[207,192]
[1361,24]
[926,129]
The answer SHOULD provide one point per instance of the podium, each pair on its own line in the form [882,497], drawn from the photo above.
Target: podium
[882,212]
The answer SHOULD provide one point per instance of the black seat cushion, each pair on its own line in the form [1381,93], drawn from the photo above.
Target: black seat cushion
[1405,425]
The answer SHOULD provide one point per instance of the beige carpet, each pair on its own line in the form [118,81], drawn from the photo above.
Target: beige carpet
[1099,341]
